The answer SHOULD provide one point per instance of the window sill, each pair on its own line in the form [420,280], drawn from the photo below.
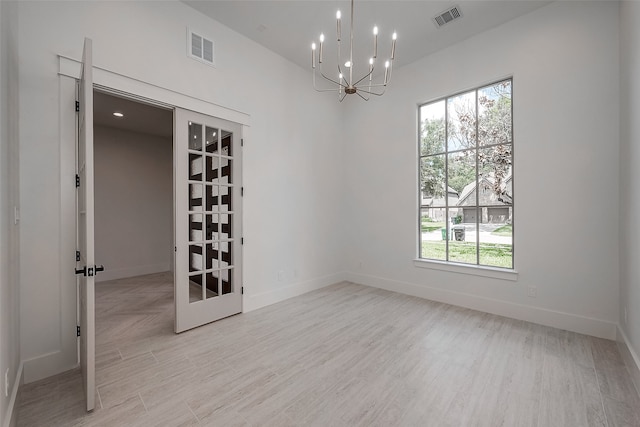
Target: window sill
[474,270]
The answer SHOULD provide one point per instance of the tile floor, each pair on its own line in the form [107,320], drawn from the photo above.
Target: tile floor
[345,355]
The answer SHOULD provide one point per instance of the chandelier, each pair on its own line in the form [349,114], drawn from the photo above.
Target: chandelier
[344,82]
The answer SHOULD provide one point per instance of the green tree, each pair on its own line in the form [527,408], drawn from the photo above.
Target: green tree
[490,126]
[432,168]
[495,128]
[461,172]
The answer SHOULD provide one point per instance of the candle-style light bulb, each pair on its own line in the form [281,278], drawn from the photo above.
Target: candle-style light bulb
[375,41]
[393,45]
[320,53]
[370,69]
[313,55]
[338,16]
[386,72]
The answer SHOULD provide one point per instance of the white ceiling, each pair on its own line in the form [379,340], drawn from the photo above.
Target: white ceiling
[138,117]
[289,27]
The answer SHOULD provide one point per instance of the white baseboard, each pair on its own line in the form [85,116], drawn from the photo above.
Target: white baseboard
[253,302]
[121,273]
[630,357]
[11,417]
[570,322]
[47,365]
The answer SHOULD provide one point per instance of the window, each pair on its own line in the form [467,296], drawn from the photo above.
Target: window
[466,177]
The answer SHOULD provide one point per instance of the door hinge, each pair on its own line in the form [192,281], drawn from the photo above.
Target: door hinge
[242,142]
[77,106]
[242,240]
[77,331]
[242,191]
[242,290]
[77,256]
[77,180]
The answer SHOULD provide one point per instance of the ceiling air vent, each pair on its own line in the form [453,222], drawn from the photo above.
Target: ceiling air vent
[447,16]
[200,47]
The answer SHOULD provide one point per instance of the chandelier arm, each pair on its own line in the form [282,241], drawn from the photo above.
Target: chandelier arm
[339,43]
[340,72]
[360,95]
[370,92]
[320,89]
[325,90]
[377,85]
[331,80]
[338,59]
[364,77]
[343,97]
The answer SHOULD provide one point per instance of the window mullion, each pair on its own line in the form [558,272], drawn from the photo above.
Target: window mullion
[446,176]
[478,211]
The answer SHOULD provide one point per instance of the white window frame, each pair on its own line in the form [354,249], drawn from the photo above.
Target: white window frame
[504,273]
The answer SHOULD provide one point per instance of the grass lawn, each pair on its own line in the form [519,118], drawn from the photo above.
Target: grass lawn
[505,230]
[428,226]
[491,254]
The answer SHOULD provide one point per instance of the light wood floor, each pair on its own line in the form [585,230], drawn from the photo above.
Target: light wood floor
[345,355]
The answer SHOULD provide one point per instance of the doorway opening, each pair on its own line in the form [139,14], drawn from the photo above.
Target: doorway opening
[134,235]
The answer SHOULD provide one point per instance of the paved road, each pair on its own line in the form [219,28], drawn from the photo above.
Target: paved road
[470,234]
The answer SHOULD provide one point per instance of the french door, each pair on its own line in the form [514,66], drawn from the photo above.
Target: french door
[208,202]
[85,262]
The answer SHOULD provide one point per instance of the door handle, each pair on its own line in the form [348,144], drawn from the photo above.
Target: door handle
[89,271]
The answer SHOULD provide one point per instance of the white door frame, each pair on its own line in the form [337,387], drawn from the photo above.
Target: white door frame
[114,83]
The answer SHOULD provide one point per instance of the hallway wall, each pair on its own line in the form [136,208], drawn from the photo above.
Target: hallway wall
[629,318]
[133,203]
[10,356]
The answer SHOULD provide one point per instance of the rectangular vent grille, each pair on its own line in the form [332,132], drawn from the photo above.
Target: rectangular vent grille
[200,48]
[447,16]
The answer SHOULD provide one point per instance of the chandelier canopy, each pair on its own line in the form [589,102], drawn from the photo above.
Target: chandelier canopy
[344,82]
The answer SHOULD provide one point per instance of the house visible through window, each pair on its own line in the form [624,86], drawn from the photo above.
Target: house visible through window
[466,177]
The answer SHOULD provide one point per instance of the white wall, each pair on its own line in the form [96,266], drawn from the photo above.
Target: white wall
[9,188]
[317,192]
[564,61]
[630,178]
[292,167]
[133,202]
